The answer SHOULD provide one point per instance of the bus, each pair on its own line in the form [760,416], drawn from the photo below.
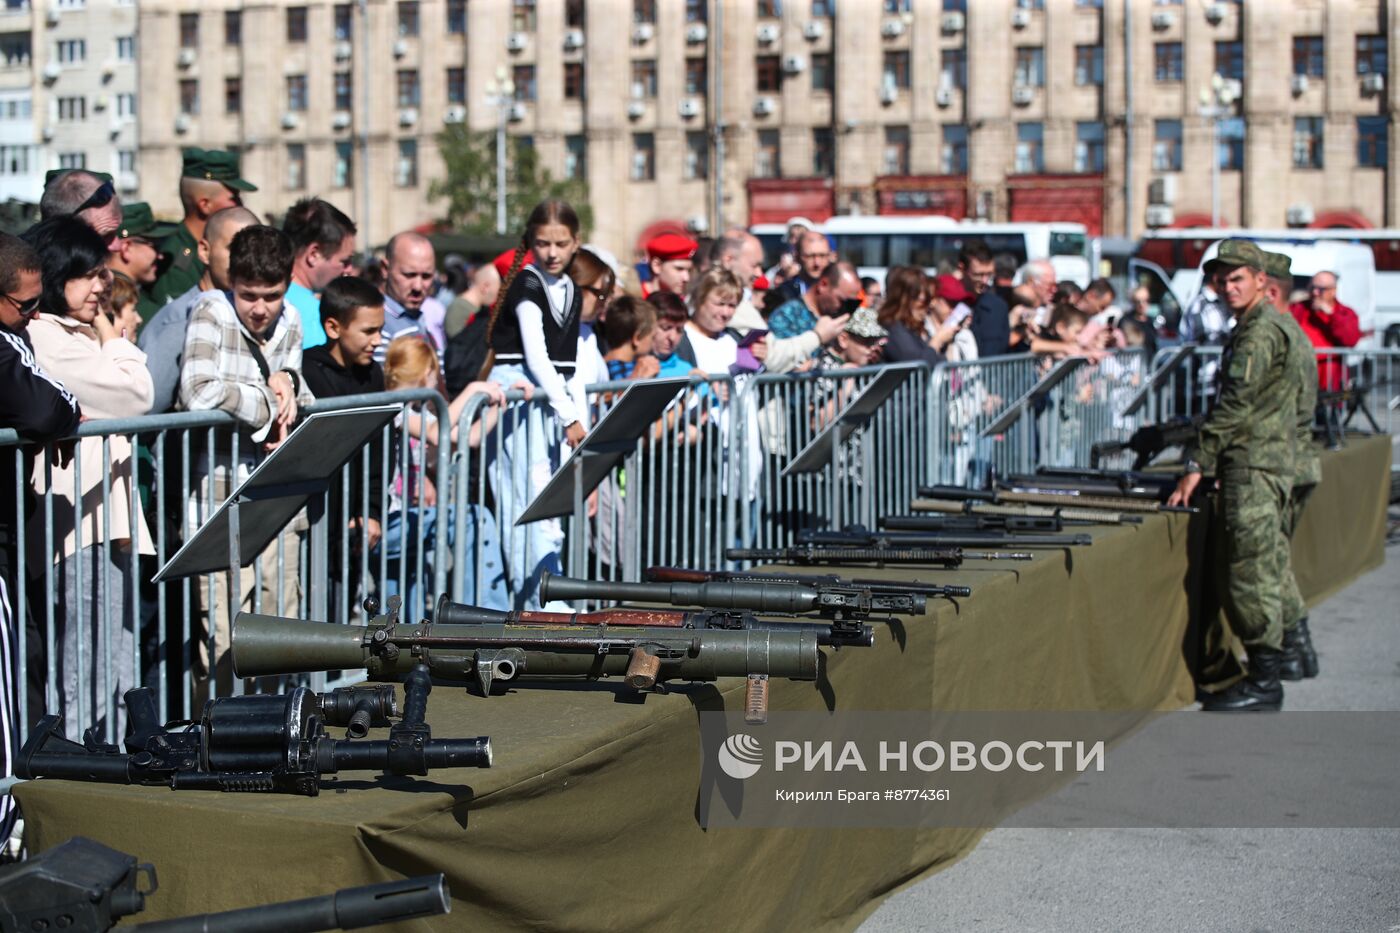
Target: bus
[874,243]
[1179,254]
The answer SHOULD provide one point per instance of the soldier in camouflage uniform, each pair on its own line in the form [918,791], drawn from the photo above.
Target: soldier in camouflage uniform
[1248,442]
[1299,656]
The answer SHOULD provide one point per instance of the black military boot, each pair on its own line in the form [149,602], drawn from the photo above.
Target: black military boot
[1290,667]
[1302,644]
[1259,691]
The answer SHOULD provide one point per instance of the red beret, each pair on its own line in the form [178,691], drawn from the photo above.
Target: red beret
[951,289]
[761,284]
[670,246]
[503,262]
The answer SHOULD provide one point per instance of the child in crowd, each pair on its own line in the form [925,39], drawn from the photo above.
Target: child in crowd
[1066,323]
[630,331]
[671,315]
[121,307]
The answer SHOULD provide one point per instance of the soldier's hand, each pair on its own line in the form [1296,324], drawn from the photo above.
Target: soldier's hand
[1185,489]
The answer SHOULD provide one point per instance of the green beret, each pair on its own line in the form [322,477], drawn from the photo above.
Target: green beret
[214,165]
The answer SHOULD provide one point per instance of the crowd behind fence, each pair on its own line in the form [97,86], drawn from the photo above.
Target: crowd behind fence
[707,476]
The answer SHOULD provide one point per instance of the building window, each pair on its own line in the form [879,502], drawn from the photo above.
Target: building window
[955,6]
[296,24]
[644,78]
[457,17]
[896,71]
[644,11]
[823,75]
[697,76]
[1030,154]
[14,160]
[457,85]
[697,157]
[72,108]
[1030,4]
[1030,66]
[126,105]
[954,161]
[296,93]
[696,11]
[1307,142]
[823,152]
[1371,55]
[895,160]
[1372,142]
[72,160]
[523,76]
[575,156]
[770,9]
[767,155]
[1088,148]
[1166,146]
[952,72]
[1090,4]
[574,15]
[189,96]
[573,81]
[643,157]
[1088,65]
[408,90]
[522,15]
[16,49]
[126,48]
[1229,59]
[768,74]
[1230,152]
[344,22]
[341,172]
[408,18]
[126,160]
[296,166]
[16,108]
[1167,63]
[1308,56]
[823,9]
[344,90]
[233,95]
[898,6]
[189,30]
[72,51]
[406,166]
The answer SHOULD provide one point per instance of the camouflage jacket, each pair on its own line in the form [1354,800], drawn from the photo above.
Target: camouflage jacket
[181,268]
[1307,466]
[1254,420]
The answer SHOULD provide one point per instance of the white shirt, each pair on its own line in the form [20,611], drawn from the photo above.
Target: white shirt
[531,318]
[713,355]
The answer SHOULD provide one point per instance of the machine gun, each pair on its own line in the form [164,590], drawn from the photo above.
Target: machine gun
[1010,524]
[1131,484]
[1051,498]
[836,634]
[645,656]
[1148,441]
[261,742]
[819,580]
[841,602]
[860,536]
[835,554]
[959,507]
[82,886]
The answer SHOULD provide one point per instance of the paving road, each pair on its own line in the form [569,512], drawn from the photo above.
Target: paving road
[1251,880]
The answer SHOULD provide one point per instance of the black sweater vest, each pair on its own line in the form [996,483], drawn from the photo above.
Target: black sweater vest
[560,339]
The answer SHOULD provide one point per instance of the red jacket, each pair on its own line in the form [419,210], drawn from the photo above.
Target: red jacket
[1341,328]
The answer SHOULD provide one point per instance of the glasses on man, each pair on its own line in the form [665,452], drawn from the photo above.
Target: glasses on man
[99,198]
[1319,289]
[24,308]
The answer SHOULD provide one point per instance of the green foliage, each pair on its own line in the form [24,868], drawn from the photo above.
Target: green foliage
[469,183]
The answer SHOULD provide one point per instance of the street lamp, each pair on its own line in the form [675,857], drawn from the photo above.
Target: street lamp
[1217,102]
[500,93]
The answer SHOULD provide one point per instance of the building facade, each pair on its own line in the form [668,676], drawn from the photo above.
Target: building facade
[699,114]
[67,92]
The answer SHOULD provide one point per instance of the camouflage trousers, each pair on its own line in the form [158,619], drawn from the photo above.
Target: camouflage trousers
[1255,565]
[1293,606]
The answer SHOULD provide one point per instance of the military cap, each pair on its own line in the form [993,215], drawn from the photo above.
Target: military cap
[1278,265]
[1240,253]
[865,324]
[214,165]
[137,220]
[671,246]
[56,173]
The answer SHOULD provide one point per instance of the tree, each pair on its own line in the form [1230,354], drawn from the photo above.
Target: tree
[469,183]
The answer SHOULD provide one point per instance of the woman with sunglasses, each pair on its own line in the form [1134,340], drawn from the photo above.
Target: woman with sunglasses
[93,561]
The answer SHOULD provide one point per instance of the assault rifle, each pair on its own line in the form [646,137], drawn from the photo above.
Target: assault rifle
[82,886]
[646,657]
[1148,441]
[980,508]
[1011,524]
[824,581]
[836,554]
[259,742]
[843,632]
[842,602]
[860,536]
[1127,483]
[1053,498]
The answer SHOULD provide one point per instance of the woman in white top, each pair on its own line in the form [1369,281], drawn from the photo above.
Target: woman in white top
[708,344]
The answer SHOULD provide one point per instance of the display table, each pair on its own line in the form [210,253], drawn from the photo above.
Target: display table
[588,820]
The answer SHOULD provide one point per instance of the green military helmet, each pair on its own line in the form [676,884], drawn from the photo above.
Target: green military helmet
[139,221]
[1241,253]
[1279,266]
[215,165]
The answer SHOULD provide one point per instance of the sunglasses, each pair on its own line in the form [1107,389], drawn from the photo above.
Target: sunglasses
[99,198]
[25,308]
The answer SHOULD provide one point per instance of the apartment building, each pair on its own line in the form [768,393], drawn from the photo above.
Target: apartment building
[697,114]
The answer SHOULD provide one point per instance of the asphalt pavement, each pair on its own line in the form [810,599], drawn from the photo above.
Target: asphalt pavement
[1248,880]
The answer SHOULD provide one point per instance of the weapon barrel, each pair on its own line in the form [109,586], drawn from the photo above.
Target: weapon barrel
[450,613]
[437,753]
[352,908]
[958,493]
[1040,524]
[1089,516]
[881,587]
[951,540]
[1072,499]
[825,554]
[756,596]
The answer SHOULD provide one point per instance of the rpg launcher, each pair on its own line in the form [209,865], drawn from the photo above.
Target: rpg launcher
[955,524]
[859,536]
[261,742]
[837,554]
[823,582]
[82,886]
[646,656]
